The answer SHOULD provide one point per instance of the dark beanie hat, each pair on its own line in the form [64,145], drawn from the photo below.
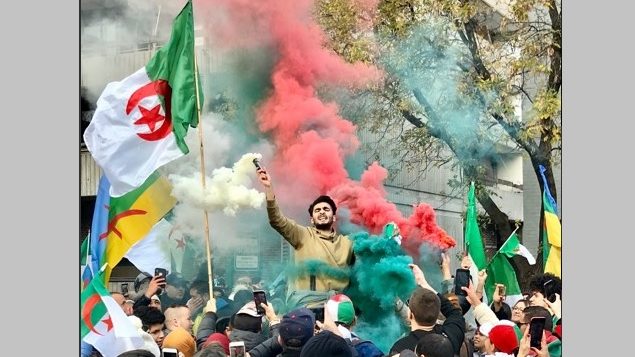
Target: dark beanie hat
[326,343]
[247,323]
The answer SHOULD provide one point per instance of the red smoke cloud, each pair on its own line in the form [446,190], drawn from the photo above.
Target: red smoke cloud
[311,139]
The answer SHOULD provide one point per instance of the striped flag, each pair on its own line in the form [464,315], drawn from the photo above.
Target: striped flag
[473,240]
[500,270]
[552,233]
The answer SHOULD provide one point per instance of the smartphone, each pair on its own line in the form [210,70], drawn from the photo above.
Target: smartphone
[536,328]
[170,352]
[161,272]
[124,289]
[257,163]
[501,290]
[319,313]
[237,349]
[461,278]
[548,287]
[260,297]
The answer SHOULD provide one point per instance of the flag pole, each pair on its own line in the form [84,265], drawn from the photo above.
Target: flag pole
[202,151]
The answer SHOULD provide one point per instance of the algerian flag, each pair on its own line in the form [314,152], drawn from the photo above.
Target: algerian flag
[472,236]
[104,324]
[500,270]
[140,123]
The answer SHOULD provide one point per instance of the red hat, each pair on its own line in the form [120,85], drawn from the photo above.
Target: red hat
[219,338]
[504,338]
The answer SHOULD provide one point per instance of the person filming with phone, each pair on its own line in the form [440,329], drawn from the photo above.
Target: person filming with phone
[320,242]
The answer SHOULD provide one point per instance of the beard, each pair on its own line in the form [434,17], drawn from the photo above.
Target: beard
[324,226]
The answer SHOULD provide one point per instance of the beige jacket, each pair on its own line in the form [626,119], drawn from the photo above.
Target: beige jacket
[309,243]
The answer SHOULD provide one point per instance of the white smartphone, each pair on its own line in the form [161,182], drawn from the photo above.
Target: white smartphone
[170,352]
[237,349]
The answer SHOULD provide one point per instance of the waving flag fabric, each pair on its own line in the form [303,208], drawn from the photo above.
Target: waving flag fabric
[140,123]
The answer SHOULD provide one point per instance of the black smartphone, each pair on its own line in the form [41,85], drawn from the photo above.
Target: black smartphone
[124,289]
[319,313]
[161,272]
[536,328]
[257,163]
[548,287]
[260,297]
[461,278]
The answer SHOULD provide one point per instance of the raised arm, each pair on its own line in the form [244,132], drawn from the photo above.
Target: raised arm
[288,229]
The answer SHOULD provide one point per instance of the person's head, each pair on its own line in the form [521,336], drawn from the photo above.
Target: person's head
[136,353]
[153,322]
[213,350]
[200,289]
[181,340]
[322,212]
[481,339]
[219,339]
[121,301]
[340,308]
[544,286]
[178,316]
[149,344]
[296,328]
[326,343]
[517,310]
[248,319]
[434,345]
[424,307]
[175,286]
[222,325]
[504,338]
[535,311]
[141,283]
[155,302]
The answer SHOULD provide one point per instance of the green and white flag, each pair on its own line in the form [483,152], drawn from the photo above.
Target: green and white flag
[103,323]
[140,123]
[500,270]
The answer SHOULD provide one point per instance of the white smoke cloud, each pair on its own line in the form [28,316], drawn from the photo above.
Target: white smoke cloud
[227,190]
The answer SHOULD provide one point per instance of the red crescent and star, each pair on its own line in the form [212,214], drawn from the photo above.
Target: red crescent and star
[151,116]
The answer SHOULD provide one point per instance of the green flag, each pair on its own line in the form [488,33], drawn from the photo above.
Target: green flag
[500,270]
[473,239]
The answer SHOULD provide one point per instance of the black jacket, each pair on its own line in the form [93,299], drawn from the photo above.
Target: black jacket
[453,328]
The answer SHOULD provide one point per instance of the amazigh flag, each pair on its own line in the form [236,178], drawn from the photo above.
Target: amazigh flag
[552,233]
[500,270]
[132,216]
[140,123]
[97,246]
[472,236]
[153,251]
[104,324]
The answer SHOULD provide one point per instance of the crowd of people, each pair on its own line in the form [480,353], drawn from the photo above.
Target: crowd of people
[320,319]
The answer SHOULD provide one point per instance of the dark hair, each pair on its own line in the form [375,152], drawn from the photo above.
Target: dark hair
[425,305]
[434,345]
[538,284]
[202,287]
[321,199]
[136,353]
[149,316]
[222,324]
[539,311]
